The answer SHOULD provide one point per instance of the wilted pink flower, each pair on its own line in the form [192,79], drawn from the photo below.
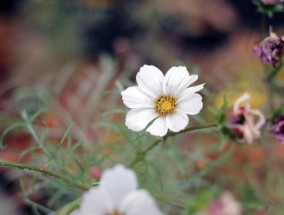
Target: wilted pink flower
[271,2]
[277,128]
[225,205]
[270,49]
[242,121]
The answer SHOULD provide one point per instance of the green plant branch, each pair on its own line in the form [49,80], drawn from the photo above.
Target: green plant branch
[47,172]
[67,209]
[32,131]
[270,77]
[271,83]
[180,203]
[140,155]
[263,26]
[171,134]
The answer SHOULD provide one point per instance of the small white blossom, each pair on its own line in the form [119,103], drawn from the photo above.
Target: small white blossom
[165,100]
[117,194]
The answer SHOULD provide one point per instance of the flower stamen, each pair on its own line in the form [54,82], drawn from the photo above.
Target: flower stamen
[115,213]
[165,105]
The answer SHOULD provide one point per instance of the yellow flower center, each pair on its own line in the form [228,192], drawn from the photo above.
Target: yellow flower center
[115,213]
[165,105]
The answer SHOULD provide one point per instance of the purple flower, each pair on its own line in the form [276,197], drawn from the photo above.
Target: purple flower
[277,128]
[270,49]
[271,2]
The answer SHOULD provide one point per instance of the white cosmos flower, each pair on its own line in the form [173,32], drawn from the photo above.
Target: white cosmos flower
[167,99]
[117,194]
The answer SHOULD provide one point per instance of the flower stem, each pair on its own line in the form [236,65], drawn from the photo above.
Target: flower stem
[140,155]
[67,209]
[180,203]
[190,129]
[274,72]
[263,26]
[50,173]
[274,87]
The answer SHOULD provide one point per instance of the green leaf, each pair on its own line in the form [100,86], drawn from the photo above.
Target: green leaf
[276,113]
[58,147]
[224,133]
[202,200]
[269,10]
[7,130]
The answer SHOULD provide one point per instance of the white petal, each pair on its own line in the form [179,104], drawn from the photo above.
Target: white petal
[134,97]
[140,202]
[150,80]
[177,121]
[192,89]
[190,104]
[261,118]
[248,134]
[192,79]
[158,127]
[76,212]
[189,91]
[176,77]
[176,80]
[118,182]
[95,201]
[244,99]
[137,119]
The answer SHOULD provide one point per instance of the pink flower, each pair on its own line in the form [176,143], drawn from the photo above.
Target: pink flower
[225,205]
[95,172]
[242,120]
[271,2]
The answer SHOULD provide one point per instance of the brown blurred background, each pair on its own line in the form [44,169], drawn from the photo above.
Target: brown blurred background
[58,45]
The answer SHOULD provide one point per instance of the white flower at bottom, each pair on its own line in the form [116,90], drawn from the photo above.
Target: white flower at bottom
[165,100]
[117,194]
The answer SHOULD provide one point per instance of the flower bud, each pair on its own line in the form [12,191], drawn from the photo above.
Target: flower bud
[277,128]
[270,49]
[95,172]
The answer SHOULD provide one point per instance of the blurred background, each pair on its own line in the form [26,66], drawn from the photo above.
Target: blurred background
[68,55]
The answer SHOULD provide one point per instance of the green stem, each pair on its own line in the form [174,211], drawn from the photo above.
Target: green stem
[37,169]
[170,134]
[174,202]
[271,83]
[140,155]
[263,26]
[34,134]
[274,72]
[67,209]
